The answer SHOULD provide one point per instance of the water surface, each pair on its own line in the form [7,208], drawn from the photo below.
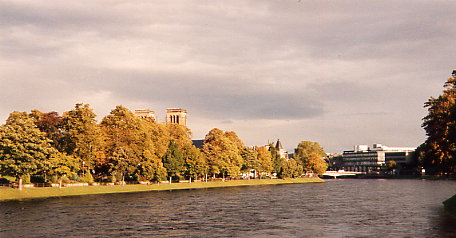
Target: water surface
[338,208]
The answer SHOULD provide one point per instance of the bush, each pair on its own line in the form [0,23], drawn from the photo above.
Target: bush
[26,179]
[118,177]
[112,178]
[54,179]
[88,178]
[75,177]
[65,179]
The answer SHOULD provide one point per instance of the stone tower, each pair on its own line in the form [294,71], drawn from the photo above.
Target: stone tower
[145,113]
[176,116]
[280,150]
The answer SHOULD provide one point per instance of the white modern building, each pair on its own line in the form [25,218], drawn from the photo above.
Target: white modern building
[365,159]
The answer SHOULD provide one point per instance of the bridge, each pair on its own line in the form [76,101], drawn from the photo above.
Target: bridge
[336,174]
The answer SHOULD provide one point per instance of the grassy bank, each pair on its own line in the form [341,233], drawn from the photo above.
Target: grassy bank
[29,193]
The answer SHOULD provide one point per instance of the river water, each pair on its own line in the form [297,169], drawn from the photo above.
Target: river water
[338,208]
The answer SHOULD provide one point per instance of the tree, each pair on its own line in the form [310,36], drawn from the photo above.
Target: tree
[151,167]
[264,160]
[223,153]
[174,160]
[195,162]
[63,165]
[305,148]
[24,149]
[316,163]
[291,169]
[391,165]
[158,135]
[440,127]
[125,141]
[277,162]
[250,160]
[82,135]
[51,124]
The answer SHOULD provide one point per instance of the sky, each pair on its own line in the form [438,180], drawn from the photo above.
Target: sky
[340,73]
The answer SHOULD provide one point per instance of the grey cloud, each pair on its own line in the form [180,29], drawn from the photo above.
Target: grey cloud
[235,61]
[214,97]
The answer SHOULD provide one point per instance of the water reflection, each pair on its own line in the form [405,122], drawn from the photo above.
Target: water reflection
[339,208]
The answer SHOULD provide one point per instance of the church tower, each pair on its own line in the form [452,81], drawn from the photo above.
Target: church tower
[176,116]
[280,150]
[145,113]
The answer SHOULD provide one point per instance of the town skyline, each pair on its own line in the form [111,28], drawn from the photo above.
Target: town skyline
[340,74]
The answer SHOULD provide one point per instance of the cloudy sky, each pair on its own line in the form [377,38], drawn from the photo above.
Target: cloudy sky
[337,72]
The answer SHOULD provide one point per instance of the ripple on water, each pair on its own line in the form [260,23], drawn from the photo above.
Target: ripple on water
[338,208]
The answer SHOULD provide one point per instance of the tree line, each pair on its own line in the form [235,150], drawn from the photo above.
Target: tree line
[126,147]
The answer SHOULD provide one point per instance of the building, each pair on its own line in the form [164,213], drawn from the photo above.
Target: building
[280,150]
[176,116]
[198,143]
[368,160]
[145,113]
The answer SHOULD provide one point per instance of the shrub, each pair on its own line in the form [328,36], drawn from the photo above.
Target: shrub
[75,177]
[118,177]
[112,178]
[65,179]
[88,178]
[54,179]
[26,179]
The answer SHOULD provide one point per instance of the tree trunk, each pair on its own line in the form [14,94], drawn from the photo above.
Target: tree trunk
[60,182]
[190,179]
[206,178]
[20,183]
[170,179]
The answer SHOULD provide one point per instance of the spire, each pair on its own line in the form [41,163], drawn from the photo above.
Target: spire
[279,145]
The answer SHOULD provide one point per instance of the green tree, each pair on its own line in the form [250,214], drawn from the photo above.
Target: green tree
[195,162]
[24,149]
[277,162]
[125,141]
[223,152]
[440,126]
[250,160]
[264,160]
[291,169]
[151,167]
[302,153]
[63,165]
[174,160]
[159,136]
[82,135]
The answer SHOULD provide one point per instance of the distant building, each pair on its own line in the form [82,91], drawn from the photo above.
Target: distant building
[145,113]
[198,143]
[280,150]
[176,116]
[365,159]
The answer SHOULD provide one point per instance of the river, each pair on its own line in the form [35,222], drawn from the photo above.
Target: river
[338,208]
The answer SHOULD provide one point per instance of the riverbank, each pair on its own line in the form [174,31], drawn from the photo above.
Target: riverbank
[450,205]
[31,193]
[389,176]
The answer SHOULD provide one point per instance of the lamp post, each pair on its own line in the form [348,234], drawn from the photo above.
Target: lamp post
[83,172]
